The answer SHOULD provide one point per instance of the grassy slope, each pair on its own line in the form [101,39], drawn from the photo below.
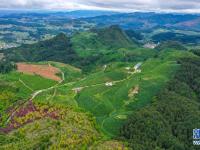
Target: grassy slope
[100,41]
[86,43]
[110,105]
[34,82]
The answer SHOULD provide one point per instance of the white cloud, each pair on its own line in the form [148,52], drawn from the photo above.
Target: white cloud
[120,5]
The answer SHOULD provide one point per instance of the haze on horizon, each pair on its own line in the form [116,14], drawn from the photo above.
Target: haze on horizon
[180,6]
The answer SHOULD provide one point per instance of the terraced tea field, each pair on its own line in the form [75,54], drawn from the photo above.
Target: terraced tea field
[110,94]
[106,93]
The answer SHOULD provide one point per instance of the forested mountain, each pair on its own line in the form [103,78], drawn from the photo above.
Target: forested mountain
[58,49]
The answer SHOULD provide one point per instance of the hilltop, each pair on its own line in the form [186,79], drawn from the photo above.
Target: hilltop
[58,49]
[101,40]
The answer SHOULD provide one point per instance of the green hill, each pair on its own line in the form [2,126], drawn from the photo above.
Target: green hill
[101,41]
[114,37]
[58,49]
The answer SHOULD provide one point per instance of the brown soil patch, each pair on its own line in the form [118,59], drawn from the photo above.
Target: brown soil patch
[46,71]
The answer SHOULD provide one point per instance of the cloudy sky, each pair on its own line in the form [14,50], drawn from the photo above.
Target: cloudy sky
[191,6]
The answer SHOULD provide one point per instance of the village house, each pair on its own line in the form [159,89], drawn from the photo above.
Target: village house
[109,84]
[77,90]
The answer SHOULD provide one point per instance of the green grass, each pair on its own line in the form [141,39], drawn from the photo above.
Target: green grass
[59,96]
[107,103]
[100,41]
[86,43]
[34,81]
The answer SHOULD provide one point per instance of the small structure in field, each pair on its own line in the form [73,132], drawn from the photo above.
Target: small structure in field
[109,84]
[137,68]
[105,67]
[77,90]
[128,68]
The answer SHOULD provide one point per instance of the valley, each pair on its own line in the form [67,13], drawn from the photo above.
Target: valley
[101,86]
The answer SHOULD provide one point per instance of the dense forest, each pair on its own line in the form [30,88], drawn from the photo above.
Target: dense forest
[169,121]
[57,49]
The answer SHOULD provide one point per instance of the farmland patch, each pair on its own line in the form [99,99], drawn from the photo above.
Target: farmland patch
[46,71]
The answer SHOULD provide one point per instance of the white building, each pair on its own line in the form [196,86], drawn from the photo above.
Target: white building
[77,90]
[109,84]
[137,66]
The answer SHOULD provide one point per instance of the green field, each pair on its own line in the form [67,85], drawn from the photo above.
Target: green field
[112,105]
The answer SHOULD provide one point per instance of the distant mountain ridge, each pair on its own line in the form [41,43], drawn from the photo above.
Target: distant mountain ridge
[68,14]
[148,20]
